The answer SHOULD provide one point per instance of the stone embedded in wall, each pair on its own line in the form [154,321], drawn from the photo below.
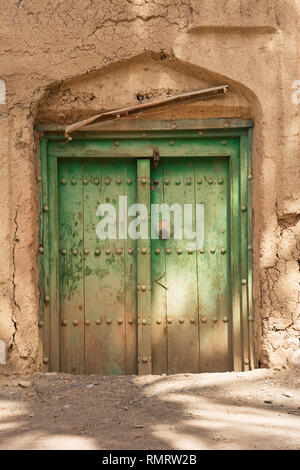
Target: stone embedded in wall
[2,92]
[2,353]
[234,14]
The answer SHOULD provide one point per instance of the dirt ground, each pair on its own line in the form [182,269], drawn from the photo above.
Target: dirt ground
[250,410]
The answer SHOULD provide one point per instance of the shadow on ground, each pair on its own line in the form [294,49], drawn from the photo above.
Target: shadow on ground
[251,410]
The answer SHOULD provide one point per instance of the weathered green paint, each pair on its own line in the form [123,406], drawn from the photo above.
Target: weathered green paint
[71,286]
[143,147]
[144,274]
[253,361]
[53,266]
[159,294]
[235,265]
[191,334]
[130,278]
[244,248]
[44,269]
[94,272]
[202,287]
[212,187]
[97,280]
[200,126]
[181,275]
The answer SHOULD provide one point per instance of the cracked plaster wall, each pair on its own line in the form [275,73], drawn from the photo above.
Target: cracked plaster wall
[63,60]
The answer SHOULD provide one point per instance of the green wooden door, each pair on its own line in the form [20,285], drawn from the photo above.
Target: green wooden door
[152,303]
[97,300]
[191,302]
[190,288]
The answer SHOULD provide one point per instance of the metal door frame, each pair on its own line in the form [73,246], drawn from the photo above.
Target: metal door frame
[230,138]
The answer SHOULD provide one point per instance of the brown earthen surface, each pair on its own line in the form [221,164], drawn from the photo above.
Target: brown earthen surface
[66,60]
[249,410]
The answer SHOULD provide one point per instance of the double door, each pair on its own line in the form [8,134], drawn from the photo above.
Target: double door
[144,265]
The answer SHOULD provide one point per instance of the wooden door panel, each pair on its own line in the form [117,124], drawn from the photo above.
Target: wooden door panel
[213,264]
[101,280]
[193,308]
[71,288]
[159,294]
[130,276]
[181,274]
[98,305]
[110,285]
[201,301]
[144,271]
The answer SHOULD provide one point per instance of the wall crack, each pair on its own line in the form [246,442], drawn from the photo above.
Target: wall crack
[16,305]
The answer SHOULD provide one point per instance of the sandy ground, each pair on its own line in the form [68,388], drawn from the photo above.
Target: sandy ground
[250,410]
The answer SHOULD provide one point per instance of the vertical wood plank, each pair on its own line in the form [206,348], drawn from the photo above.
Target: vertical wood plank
[212,190]
[109,272]
[158,267]
[71,291]
[53,265]
[93,337]
[130,259]
[115,287]
[44,287]
[253,362]
[104,278]
[144,274]
[235,243]
[41,289]
[181,273]
[244,249]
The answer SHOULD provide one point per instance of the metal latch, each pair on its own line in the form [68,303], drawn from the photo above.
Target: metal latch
[157,280]
[155,157]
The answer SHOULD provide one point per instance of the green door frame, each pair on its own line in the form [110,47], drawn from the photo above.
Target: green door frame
[229,138]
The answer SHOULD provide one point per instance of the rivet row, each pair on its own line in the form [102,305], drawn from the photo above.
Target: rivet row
[144,322]
[144,251]
[95,181]
[190,251]
[188,181]
[192,320]
[170,320]
[119,181]
[97,251]
[108,321]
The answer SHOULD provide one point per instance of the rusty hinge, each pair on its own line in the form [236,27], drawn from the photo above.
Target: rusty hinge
[155,157]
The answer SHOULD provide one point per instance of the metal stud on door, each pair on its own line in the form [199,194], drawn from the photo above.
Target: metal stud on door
[71,292]
[98,298]
[123,306]
[191,287]
[144,274]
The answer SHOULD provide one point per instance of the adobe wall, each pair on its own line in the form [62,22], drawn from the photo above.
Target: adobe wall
[63,61]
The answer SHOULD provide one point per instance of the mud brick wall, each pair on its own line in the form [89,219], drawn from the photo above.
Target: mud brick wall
[61,61]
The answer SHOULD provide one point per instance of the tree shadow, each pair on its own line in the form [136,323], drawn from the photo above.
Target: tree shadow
[203,411]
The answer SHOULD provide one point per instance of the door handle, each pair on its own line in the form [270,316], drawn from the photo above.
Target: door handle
[158,278]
